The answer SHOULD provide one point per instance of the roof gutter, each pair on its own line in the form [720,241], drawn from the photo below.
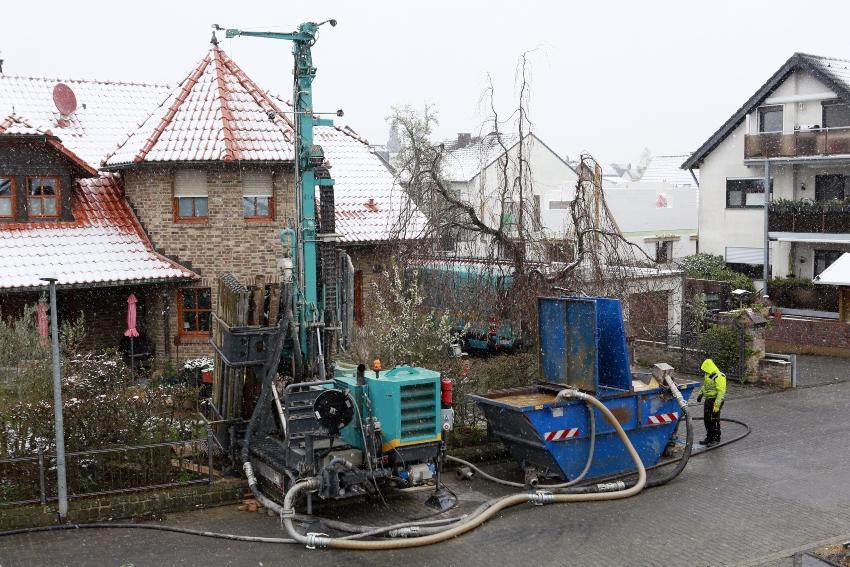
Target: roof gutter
[94,285]
[181,163]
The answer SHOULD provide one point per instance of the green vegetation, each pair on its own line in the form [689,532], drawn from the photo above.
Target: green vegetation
[710,267]
[720,343]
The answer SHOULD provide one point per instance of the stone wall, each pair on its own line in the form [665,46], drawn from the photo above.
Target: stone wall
[149,503]
[774,372]
[805,336]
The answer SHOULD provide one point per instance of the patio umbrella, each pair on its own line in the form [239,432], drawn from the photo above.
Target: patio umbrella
[41,321]
[131,326]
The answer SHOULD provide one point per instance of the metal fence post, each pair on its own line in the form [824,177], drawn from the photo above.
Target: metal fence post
[41,490]
[793,358]
[62,488]
[210,455]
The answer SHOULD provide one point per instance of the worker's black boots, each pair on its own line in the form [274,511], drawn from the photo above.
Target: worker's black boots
[711,419]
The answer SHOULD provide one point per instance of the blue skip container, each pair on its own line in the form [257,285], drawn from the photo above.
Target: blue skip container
[583,346]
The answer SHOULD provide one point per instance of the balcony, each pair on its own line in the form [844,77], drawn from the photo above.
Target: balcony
[802,143]
[831,217]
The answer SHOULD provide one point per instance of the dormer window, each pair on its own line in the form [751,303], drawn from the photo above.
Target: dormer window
[258,196]
[43,197]
[7,197]
[770,119]
[190,196]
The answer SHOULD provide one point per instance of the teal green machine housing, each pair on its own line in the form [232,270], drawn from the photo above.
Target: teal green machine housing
[404,399]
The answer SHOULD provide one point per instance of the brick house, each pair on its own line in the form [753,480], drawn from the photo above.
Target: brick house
[205,169]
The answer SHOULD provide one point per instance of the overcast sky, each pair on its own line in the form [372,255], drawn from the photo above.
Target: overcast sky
[608,77]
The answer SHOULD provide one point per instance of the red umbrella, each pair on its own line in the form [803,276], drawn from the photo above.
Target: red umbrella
[131,317]
[131,327]
[41,320]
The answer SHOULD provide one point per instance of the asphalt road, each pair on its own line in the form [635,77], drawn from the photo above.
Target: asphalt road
[783,489]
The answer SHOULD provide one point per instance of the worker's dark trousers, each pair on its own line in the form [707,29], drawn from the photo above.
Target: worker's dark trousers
[711,419]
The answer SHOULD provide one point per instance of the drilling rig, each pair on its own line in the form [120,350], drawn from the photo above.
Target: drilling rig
[357,430]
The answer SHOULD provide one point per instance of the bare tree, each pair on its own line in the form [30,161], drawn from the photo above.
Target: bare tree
[508,258]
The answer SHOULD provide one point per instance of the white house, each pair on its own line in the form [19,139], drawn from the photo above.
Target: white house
[473,166]
[658,213]
[794,130]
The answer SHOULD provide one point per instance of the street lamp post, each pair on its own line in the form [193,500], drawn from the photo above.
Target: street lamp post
[62,488]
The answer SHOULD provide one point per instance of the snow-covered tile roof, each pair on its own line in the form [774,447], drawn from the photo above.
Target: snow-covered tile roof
[370,206]
[668,169]
[14,125]
[105,111]
[103,245]
[838,69]
[464,162]
[216,113]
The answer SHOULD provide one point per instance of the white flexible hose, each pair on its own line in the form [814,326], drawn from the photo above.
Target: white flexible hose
[313,540]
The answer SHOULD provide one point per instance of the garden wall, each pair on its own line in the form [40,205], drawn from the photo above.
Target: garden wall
[807,336]
[146,503]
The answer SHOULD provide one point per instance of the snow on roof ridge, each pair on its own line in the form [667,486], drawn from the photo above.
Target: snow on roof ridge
[15,118]
[86,81]
[823,57]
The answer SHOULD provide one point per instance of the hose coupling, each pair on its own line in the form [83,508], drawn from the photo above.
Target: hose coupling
[317,540]
[287,513]
[570,393]
[410,531]
[541,497]
[249,473]
[611,486]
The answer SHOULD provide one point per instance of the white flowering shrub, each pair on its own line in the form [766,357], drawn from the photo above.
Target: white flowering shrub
[400,329]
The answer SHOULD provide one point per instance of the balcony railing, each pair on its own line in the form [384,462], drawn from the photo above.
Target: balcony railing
[825,142]
[809,216]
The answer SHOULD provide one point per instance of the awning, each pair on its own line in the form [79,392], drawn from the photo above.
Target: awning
[745,255]
[838,273]
[813,237]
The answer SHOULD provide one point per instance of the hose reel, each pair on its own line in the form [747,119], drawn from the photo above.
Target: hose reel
[334,410]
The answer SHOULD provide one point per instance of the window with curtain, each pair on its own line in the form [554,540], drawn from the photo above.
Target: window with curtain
[190,195]
[258,195]
[7,197]
[43,197]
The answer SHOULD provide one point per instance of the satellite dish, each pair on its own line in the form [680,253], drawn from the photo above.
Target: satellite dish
[64,99]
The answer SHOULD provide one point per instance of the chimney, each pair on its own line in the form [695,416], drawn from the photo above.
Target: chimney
[463,140]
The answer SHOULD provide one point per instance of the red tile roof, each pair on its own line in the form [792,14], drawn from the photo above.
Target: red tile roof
[217,113]
[105,244]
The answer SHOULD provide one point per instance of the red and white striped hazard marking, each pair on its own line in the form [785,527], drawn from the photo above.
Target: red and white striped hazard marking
[663,418]
[561,434]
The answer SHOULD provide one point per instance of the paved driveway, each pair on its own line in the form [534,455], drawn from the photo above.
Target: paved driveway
[784,488]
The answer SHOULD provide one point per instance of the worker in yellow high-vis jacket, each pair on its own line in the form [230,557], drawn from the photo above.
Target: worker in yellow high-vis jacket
[714,391]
